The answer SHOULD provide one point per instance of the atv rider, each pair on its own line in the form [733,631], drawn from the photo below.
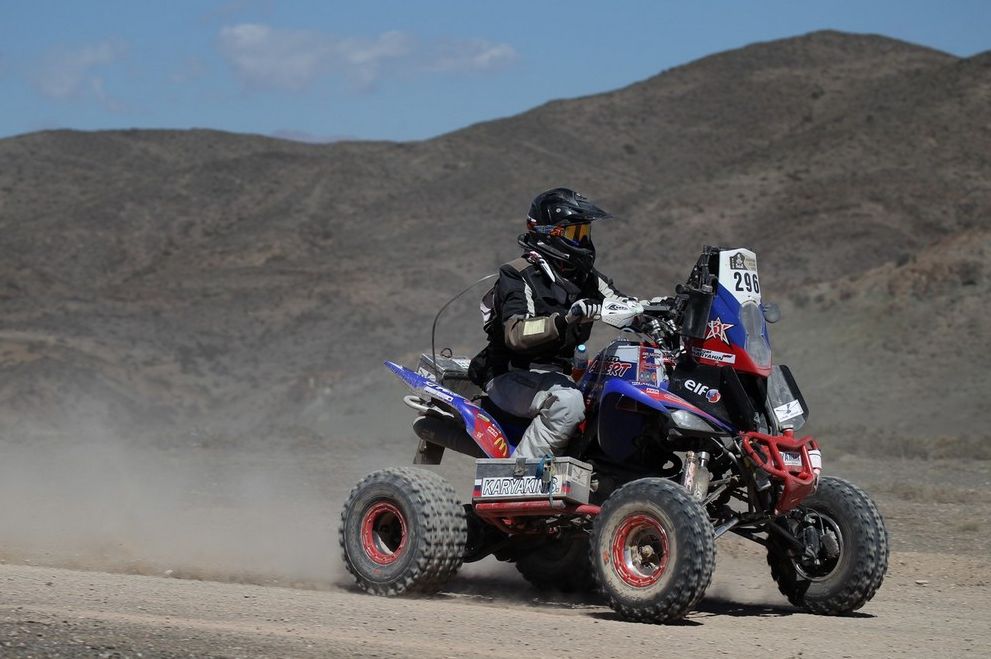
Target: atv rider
[540,309]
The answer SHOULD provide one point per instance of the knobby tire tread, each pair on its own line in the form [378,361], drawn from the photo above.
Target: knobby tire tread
[868,570]
[697,548]
[440,544]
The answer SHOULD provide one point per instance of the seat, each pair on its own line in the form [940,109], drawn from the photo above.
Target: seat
[512,425]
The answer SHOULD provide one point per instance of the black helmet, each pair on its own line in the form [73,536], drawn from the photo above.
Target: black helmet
[558,227]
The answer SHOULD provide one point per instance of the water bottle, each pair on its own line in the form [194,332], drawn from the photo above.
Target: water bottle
[580,362]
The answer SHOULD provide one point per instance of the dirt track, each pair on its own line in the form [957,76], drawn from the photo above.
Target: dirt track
[47,611]
[269,518]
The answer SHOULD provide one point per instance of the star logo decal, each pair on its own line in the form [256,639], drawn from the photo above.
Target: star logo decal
[716,329]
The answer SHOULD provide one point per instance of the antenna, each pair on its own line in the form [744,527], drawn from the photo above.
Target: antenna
[433,330]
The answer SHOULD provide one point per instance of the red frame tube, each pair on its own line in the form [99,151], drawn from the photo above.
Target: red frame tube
[502,514]
[797,482]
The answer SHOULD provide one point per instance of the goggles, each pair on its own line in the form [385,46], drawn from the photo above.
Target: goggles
[576,233]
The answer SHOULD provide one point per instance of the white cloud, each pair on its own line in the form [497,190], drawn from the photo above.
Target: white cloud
[471,55]
[263,57]
[73,73]
[273,58]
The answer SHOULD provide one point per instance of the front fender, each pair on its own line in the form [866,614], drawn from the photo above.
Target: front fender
[619,428]
[659,399]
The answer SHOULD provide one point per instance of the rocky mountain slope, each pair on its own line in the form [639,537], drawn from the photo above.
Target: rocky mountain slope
[172,280]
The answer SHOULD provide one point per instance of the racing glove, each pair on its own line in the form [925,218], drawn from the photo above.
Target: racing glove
[583,311]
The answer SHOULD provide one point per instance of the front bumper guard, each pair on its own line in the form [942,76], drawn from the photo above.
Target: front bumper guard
[797,481]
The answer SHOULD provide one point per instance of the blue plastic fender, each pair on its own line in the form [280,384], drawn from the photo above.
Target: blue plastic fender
[619,428]
[479,425]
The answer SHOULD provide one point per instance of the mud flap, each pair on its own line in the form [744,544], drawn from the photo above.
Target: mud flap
[428,453]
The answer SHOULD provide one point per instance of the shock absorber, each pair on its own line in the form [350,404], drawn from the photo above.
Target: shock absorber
[695,475]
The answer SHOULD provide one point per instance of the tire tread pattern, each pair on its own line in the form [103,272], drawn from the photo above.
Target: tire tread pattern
[697,550]
[439,546]
[869,566]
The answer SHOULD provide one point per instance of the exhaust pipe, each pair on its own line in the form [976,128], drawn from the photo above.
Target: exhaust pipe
[436,434]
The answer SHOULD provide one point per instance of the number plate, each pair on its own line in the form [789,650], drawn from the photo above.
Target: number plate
[738,275]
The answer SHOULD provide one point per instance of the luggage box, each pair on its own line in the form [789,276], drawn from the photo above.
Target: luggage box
[527,479]
[449,372]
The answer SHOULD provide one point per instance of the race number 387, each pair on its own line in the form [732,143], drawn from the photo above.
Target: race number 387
[746,281]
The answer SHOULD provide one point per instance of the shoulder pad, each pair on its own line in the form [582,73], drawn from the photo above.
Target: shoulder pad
[519,265]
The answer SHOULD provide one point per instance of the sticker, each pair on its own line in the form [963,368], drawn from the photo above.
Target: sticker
[613,366]
[489,437]
[741,261]
[517,487]
[791,459]
[789,410]
[651,367]
[738,275]
[746,283]
[711,395]
[714,355]
[531,327]
[716,329]
[436,393]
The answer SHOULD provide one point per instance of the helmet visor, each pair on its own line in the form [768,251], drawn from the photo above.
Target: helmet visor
[577,233]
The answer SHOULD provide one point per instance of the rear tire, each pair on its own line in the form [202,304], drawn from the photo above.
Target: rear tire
[561,564]
[845,582]
[653,550]
[402,531]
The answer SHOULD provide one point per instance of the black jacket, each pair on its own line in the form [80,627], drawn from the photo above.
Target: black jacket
[526,325]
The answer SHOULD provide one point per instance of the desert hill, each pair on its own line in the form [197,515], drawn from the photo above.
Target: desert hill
[178,279]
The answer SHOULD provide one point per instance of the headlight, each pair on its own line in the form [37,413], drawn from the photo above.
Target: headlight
[688,421]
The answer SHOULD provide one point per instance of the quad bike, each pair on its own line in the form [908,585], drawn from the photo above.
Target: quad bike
[689,435]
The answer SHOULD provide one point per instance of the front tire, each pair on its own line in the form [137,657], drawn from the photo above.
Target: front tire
[653,550]
[403,531]
[850,541]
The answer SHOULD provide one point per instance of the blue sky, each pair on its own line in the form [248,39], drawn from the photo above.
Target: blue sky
[320,70]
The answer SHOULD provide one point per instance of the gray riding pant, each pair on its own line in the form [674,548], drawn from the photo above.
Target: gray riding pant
[547,397]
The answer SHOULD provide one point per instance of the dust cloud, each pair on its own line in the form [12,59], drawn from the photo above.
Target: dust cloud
[260,511]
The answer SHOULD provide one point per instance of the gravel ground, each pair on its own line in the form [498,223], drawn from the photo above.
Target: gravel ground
[211,552]
[929,605]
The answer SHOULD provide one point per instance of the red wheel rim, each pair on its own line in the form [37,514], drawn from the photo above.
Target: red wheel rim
[383,532]
[640,550]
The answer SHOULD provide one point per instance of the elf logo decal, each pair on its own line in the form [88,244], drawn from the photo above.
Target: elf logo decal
[711,395]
